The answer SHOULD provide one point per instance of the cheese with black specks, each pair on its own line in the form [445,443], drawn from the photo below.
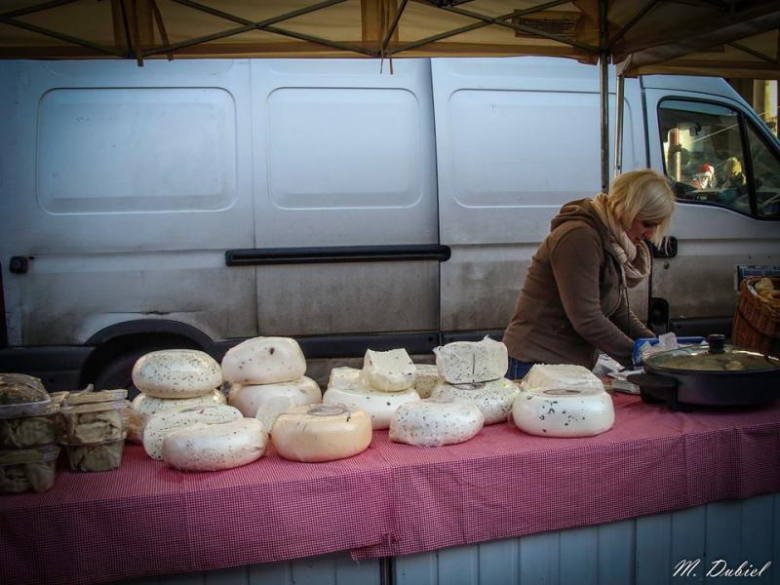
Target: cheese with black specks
[264,360]
[176,373]
[433,423]
[388,371]
[467,362]
[494,399]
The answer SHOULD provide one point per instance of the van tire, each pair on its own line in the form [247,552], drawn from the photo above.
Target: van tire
[118,373]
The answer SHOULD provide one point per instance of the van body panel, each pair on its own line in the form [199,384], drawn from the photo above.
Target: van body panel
[515,141]
[123,187]
[344,156]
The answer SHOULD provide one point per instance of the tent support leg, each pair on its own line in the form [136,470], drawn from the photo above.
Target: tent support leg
[621,83]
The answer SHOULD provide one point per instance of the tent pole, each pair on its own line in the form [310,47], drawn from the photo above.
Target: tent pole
[604,93]
[604,119]
[621,82]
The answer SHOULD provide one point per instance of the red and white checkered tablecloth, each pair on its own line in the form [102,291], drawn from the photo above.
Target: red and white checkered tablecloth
[146,519]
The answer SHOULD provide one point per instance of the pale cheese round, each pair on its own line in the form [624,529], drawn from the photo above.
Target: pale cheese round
[215,447]
[379,405]
[265,402]
[158,426]
[564,412]
[434,422]
[264,360]
[494,399]
[145,406]
[176,373]
[321,432]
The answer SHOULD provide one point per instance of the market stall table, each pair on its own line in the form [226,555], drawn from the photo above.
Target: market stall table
[146,519]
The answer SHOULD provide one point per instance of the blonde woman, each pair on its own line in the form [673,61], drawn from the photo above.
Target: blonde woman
[574,300]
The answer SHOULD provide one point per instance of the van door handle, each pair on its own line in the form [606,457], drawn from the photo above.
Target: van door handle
[668,248]
[19,265]
[332,254]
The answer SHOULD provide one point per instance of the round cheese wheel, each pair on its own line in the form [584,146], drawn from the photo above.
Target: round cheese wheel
[159,425]
[264,360]
[435,422]
[217,446]
[564,412]
[145,406]
[265,402]
[379,406]
[494,398]
[176,373]
[321,432]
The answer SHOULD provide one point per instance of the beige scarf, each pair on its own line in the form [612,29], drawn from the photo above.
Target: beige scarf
[634,259]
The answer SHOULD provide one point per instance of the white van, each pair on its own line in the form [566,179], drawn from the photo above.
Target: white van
[197,203]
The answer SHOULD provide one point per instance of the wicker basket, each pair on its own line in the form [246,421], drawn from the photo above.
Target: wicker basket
[756,322]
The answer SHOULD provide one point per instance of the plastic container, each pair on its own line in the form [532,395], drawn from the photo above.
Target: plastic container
[103,456]
[89,397]
[29,424]
[94,422]
[23,470]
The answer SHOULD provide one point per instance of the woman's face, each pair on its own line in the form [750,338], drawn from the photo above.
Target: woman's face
[641,229]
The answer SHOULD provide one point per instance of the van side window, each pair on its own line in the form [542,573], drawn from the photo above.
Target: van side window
[706,162]
[766,170]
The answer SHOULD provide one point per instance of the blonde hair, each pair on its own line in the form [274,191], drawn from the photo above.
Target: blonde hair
[644,195]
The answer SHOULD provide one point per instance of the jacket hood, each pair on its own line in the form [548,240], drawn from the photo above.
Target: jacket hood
[580,210]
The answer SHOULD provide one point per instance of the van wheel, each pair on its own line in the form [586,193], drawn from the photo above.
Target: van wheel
[118,373]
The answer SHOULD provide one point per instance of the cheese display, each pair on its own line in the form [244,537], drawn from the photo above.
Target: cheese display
[563,412]
[321,432]
[215,447]
[265,402]
[427,379]
[176,373]
[560,376]
[433,423]
[389,371]
[159,425]
[379,405]
[144,406]
[466,362]
[494,399]
[264,360]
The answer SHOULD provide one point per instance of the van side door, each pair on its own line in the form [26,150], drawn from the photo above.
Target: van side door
[346,240]
[724,165]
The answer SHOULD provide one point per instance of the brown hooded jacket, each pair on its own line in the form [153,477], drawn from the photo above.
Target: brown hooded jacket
[573,303]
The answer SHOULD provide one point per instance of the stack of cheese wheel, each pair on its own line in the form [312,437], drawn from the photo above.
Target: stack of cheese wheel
[385,383]
[170,381]
[474,372]
[267,378]
[562,401]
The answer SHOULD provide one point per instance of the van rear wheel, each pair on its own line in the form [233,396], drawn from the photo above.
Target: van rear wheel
[117,373]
